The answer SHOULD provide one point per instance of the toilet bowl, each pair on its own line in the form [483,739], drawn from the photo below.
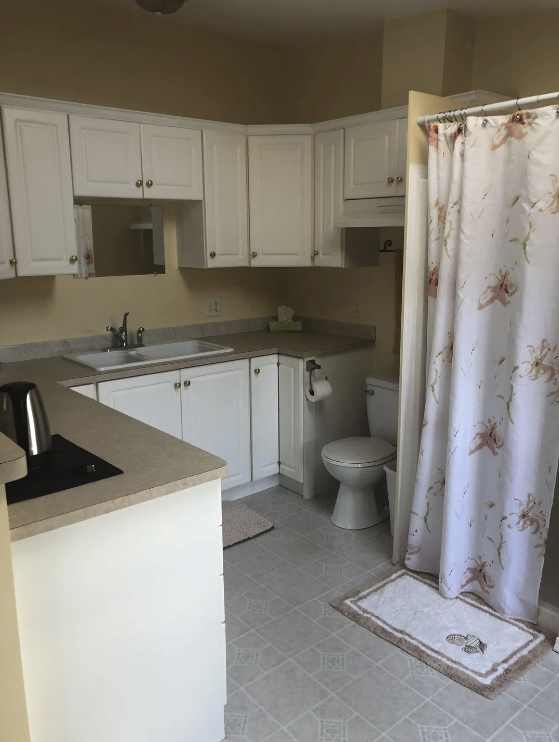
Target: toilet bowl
[357,463]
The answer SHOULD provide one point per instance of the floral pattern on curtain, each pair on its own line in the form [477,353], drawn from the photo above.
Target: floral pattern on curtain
[490,440]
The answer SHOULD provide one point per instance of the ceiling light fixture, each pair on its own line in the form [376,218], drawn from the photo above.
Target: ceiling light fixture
[161,7]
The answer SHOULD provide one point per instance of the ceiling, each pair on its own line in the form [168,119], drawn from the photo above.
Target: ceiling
[303,22]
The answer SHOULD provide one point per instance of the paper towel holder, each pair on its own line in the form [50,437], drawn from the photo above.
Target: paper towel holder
[312,365]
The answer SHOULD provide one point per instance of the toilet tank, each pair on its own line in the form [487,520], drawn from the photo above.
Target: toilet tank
[382,407]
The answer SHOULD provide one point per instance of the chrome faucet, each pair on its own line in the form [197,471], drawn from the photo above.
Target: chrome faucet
[140,337]
[122,333]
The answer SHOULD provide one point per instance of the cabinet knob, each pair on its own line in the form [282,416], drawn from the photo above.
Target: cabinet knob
[212,255]
[74,259]
[149,183]
[187,383]
[177,385]
[315,253]
[257,371]
[139,183]
[399,179]
[13,262]
[390,181]
[254,254]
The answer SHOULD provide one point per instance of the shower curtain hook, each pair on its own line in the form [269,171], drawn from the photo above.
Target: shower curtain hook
[518,107]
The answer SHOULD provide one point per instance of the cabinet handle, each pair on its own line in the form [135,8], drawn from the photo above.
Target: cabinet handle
[139,183]
[315,253]
[149,183]
[212,255]
[257,371]
[13,262]
[74,259]
[390,181]
[399,179]
[187,383]
[254,254]
[177,385]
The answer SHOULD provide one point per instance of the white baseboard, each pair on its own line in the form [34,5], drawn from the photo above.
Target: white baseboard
[548,617]
[250,488]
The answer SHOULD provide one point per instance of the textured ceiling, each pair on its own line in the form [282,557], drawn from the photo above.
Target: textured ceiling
[302,22]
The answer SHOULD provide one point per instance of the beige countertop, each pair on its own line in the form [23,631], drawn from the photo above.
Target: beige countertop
[154,463]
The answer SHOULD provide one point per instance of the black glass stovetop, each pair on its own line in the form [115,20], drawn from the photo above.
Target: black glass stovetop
[66,467]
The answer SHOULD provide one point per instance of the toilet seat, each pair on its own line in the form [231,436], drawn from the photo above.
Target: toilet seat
[359,452]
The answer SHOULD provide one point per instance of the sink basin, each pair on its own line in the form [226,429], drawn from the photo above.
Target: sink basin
[117,359]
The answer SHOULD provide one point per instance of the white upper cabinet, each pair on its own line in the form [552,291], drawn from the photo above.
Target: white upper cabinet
[280,197]
[172,162]
[264,416]
[225,199]
[40,185]
[371,160]
[122,159]
[106,157]
[402,157]
[7,262]
[328,198]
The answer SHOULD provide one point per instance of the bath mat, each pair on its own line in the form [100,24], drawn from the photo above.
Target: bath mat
[463,638]
[241,523]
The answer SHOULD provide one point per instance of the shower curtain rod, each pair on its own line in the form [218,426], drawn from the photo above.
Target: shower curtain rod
[460,114]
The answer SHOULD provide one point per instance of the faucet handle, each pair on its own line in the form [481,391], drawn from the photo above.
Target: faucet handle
[140,337]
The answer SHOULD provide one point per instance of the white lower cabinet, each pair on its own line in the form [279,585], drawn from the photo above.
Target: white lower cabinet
[291,401]
[216,415]
[264,413]
[153,399]
[88,390]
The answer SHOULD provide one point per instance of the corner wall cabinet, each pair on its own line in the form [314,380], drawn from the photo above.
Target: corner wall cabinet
[7,258]
[40,190]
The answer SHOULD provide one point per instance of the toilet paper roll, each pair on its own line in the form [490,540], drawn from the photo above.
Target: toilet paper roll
[321,390]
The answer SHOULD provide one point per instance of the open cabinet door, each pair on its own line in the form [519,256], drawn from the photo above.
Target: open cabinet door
[413,349]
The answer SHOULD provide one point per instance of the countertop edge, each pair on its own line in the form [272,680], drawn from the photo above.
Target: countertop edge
[13,463]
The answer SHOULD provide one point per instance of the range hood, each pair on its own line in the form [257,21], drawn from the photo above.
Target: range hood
[373,212]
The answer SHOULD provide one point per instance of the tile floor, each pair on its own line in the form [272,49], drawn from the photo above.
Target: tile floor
[299,671]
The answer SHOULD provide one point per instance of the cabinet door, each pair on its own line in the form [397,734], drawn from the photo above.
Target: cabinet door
[225,197]
[7,269]
[291,401]
[402,157]
[264,416]
[153,399]
[40,186]
[88,390]
[106,157]
[280,196]
[371,160]
[328,197]
[216,415]
[172,162]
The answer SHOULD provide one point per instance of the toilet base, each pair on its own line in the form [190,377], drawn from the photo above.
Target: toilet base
[358,507]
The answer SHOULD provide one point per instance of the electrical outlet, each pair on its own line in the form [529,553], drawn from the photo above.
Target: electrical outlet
[213,307]
[357,308]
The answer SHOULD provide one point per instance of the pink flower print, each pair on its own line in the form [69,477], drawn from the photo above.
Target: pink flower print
[541,363]
[550,201]
[501,290]
[413,549]
[515,127]
[479,573]
[434,135]
[433,281]
[442,214]
[448,350]
[529,515]
[489,437]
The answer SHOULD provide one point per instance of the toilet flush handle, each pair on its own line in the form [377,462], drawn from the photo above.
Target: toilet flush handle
[370,392]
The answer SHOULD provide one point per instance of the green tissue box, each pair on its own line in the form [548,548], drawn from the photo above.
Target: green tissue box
[293,326]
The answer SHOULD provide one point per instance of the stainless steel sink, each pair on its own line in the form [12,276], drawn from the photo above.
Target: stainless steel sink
[126,358]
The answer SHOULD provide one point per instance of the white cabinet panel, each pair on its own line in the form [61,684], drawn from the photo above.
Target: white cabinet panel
[172,162]
[280,195]
[291,399]
[225,196]
[153,399]
[106,157]
[328,198]
[216,415]
[88,390]
[40,185]
[371,160]
[402,157]
[264,416]
[7,269]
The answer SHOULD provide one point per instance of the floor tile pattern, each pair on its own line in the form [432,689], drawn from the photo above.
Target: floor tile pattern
[298,671]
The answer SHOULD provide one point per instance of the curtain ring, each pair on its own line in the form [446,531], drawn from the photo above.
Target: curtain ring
[518,107]
[439,117]
[463,115]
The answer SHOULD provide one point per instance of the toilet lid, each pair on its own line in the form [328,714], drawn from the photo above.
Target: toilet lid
[359,451]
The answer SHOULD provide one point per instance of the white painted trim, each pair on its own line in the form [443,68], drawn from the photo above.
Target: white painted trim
[548,617]
[386,114]
[256,130]
[244,490]
[413,351]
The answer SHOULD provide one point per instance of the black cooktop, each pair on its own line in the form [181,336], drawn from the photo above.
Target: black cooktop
[67,466]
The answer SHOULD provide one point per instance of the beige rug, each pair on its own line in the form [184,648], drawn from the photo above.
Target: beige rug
[241,523]
[462,638]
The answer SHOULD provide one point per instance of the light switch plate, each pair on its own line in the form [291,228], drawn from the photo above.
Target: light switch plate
[213,307]
[357,308]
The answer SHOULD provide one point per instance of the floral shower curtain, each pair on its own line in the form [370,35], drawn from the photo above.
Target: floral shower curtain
[490,440]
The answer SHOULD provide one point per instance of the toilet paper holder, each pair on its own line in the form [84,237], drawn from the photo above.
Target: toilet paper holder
[312,365]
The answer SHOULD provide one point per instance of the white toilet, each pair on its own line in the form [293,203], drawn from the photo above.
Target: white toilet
[357,463]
